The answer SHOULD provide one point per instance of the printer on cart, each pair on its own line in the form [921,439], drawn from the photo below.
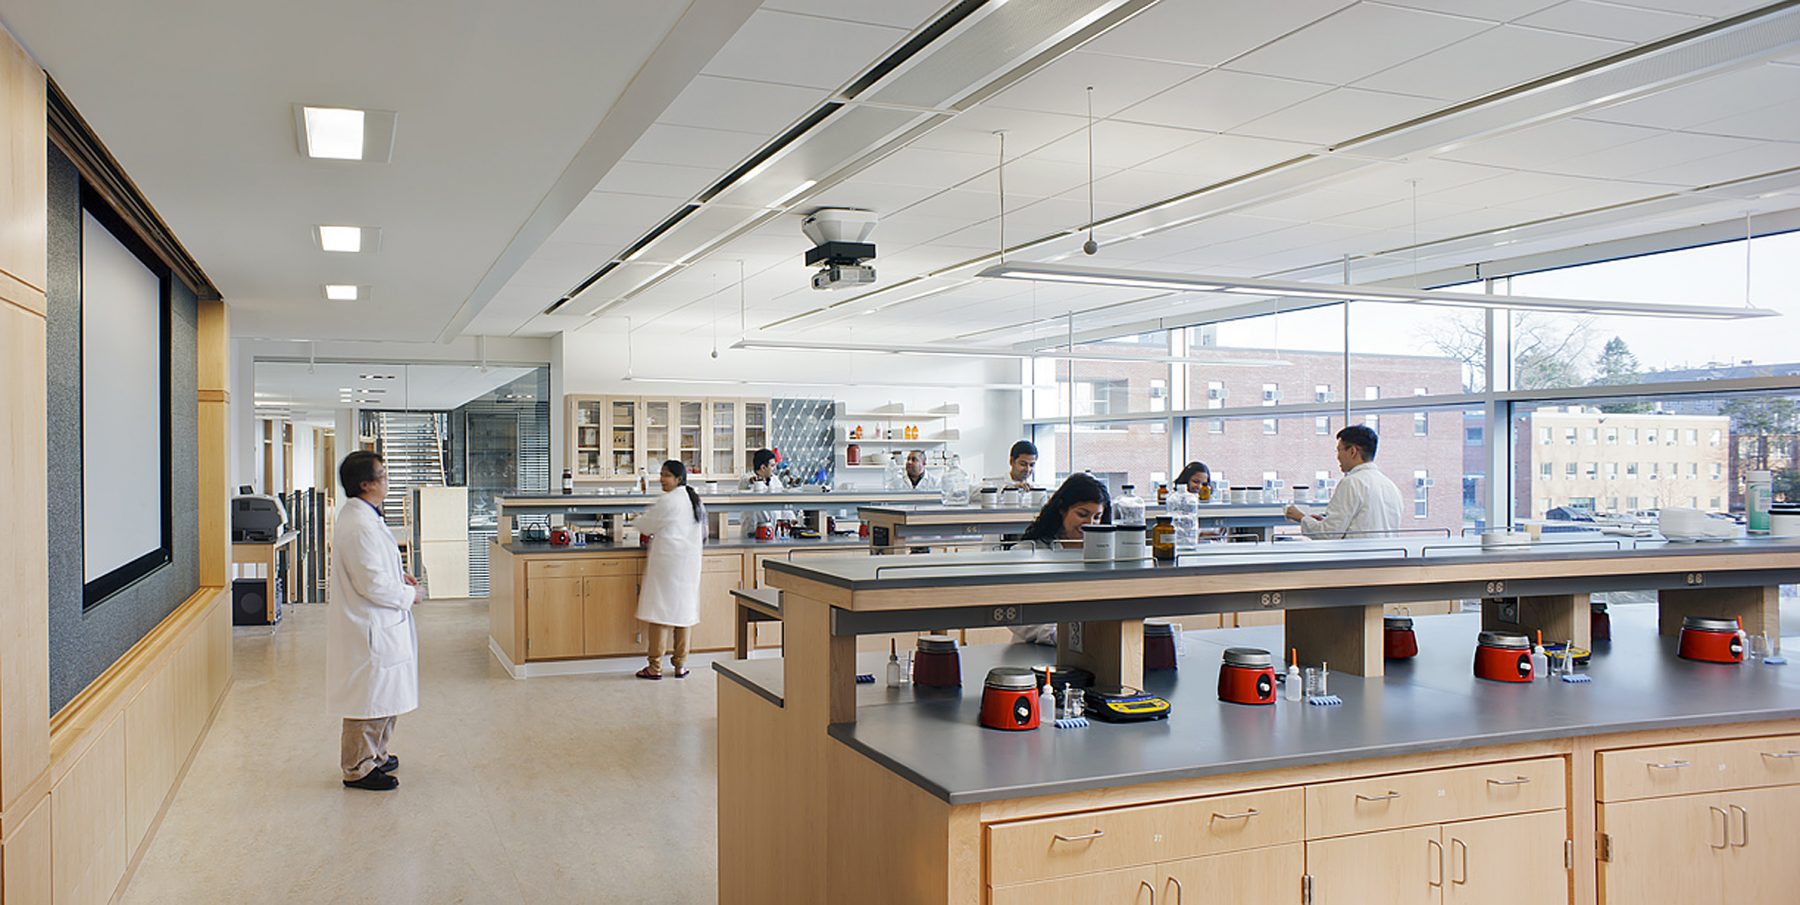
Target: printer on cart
[257,519]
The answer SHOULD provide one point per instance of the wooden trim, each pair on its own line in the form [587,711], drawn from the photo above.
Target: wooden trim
[25,871]
[76,726]
[21,294]
[102,172]
[25,609]
[213,396]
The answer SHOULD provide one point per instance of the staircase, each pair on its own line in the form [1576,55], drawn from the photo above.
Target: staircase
[412,445]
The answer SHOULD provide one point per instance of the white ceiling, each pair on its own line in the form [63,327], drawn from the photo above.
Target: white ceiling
[1189,95]
[299,388]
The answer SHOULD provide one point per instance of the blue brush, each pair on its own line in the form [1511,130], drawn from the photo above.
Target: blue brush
[1072,722]
[1774,661]
[865,678]
[1325,700]
[1576,678]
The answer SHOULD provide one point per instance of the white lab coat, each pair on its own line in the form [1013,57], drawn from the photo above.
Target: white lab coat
[671,591]
[371,643]
[750,483]
[927,482]
[1044,634]
[1365,504]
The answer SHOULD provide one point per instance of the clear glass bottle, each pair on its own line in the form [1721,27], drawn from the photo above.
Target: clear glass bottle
[956,484]
[894,478]
[1184,514]
[896,677]
[1128,509]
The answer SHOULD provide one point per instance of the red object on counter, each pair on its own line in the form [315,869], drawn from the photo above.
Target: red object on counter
[1501,657]
[1247,676]
[1159,645]
[936,664]
[1710,640]
[765,531]
[560,537]
[1599,623]
[1009,699]
[1397,639]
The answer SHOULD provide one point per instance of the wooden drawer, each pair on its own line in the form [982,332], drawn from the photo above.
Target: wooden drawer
[1132,886]
[1053,847]
[581,568]
[1634,773]
[1434,796]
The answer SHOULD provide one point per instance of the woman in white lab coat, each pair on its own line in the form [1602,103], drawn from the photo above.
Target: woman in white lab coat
[371,644]
[1081,500]
[669,601]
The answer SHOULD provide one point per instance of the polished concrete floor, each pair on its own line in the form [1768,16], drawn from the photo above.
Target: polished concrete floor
[578,789]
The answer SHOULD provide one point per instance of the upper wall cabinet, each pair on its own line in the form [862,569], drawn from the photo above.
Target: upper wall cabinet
[22,167]
[613,438]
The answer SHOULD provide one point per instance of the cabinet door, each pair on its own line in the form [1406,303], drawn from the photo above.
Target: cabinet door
[756,432]
[553,618]
[622,423]
[1488,862]
[611,616]
[1132,886]
[690,428]
[1397,867]
[1666,849]
[1762,862]
[588,455]
[720,573]
[1258,876]
[721,438]
[657,435]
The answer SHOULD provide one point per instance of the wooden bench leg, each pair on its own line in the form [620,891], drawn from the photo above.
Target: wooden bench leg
[1112,651]
[1560,618]
[1760,608]
[1347,637]
[742,638]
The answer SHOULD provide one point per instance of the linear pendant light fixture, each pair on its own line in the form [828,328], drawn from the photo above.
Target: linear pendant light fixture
[1138,279]
[794,345]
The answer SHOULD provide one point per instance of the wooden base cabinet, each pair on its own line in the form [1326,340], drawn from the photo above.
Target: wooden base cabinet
[1725,847]
[554,618]
[1264,876]
[1496,861]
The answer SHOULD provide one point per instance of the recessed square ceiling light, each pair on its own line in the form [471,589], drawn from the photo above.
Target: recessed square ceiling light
[344,133]
[346,238]
[340,292]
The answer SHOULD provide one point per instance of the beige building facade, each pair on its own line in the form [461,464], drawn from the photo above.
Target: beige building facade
[1615,463]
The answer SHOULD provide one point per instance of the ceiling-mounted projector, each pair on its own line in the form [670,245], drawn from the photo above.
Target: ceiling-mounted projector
[840,246]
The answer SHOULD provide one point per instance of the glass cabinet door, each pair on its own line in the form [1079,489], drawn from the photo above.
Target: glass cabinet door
[589,453]
[624,431]
[690,427]
[658,421]
[722,452]
[756,431]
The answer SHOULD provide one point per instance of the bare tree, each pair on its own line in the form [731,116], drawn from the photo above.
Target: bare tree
[1548,350]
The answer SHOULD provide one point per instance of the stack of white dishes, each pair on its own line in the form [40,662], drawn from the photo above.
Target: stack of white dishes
[1680,523]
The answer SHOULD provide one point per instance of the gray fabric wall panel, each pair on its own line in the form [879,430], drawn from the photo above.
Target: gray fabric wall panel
[84,644]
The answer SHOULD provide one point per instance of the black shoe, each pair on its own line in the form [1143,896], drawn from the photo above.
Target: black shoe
[392,764]
[376,781]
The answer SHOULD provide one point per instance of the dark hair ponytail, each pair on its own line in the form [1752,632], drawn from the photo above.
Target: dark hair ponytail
[678,470]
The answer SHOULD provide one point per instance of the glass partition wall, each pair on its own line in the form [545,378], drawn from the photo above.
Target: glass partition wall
[1485,416]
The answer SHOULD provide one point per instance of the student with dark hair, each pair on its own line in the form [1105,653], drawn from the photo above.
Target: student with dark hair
[371,644]
[669,600]
[1365,503]
[1193,477]
[1081,500]
[762,479]
[1020,461]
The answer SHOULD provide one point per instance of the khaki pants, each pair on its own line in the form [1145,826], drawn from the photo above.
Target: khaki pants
[659,642]
[364,746]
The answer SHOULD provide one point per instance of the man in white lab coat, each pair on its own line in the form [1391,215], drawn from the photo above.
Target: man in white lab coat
[917,478]
[371,645]
[1365,503]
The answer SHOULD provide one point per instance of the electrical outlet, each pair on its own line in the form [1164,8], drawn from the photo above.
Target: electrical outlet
[1076,643]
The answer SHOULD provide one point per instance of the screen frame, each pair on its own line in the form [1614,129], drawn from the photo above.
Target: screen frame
[97,591]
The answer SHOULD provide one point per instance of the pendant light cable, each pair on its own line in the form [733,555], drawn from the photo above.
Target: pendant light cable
[1001,171]
[1090,246]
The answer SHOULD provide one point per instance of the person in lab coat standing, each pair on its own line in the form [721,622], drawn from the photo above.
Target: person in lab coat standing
[1365,503]
[762,479]
[669,601]
[371,644]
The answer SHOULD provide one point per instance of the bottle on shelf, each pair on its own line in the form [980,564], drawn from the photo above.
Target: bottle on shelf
[1184,516]
[956,484]
[1128,509]
[895,476]
[568,482]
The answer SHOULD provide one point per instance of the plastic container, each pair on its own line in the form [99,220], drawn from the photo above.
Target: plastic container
[1128,509]
[1184,516]
[1129,543]
[990,497]
[1097,543]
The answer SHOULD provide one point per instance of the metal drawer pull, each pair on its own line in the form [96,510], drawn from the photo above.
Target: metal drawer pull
[1178,894]
[1438,862]
[1145,884]
[1246,815]
[1522,780]
[1388,797]
[1671,765]
[1744,827]
[1724,828]
[1082,838]
[1781,755]
[1462,872]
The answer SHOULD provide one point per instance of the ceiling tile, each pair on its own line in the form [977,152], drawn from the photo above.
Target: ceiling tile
[1209,34]
[691,147]
[1717,9]
[906,14]
[1118,82]
[1752,161]
[1552,194]
[1491,10]
[927,168]
[879,197]
[1663,151]
[1357,43]
[607,217]
[1723,95]
[972,132]
[1495,59]
[1610,20]
[1221,100]
[1338,116]
[713,102]
[827,52]
[1780,122]
[1118,144]
[1223,157]
[636,177]
[1546,144]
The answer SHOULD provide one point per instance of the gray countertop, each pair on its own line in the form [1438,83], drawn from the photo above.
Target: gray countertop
[850,542]
[1023,566]
[1431,703]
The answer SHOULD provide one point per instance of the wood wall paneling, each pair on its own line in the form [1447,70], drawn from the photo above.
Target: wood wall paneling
[24,608]
[23,206]
[25,876]
[212,373]
[87,822]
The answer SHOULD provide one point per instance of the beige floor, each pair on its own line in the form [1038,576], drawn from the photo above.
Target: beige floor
[567,789]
